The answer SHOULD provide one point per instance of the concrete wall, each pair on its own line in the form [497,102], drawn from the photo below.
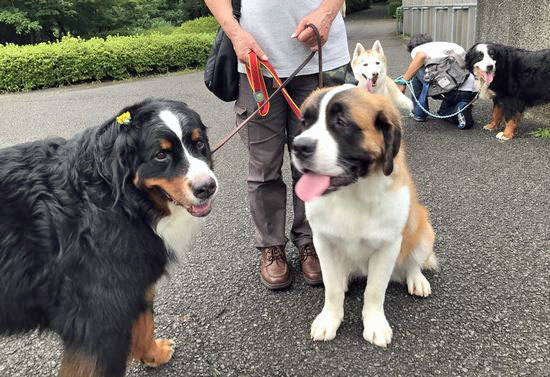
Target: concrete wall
[519,23]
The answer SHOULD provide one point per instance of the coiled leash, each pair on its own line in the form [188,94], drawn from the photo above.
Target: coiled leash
[401,81]
[259,90]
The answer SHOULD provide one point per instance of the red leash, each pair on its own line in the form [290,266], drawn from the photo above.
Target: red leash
[257,84]
[259,89]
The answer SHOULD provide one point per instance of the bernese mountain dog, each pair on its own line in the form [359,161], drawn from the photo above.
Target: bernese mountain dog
[513,78]
[89,224]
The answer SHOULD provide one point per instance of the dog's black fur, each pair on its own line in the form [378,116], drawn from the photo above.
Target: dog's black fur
[521,76]
[77,245]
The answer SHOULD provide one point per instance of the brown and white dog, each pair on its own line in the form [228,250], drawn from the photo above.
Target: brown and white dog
[361,204]
[370,69]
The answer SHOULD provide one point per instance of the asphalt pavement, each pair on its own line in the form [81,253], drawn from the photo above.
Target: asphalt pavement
[489,312]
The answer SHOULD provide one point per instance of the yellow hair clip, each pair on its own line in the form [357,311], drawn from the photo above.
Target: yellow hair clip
[124,119]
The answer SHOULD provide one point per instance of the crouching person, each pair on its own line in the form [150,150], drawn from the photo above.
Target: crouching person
[437,70]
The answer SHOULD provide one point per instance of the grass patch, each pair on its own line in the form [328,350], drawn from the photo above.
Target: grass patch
[541,133]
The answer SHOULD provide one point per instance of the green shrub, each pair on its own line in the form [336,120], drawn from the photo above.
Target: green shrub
[392,7]
[75,60]
[357,5]
[199,25]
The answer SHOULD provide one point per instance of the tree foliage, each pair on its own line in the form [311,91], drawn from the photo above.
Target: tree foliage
[32,21]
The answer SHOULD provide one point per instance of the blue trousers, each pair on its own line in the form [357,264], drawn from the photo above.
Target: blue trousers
[451,102]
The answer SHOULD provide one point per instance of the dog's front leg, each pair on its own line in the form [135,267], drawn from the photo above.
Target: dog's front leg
[377,330]
[150,351]
[326,324]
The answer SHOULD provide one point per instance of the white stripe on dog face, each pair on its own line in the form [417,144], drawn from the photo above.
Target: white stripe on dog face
[325,158]
[197,167]
[171,121]
[487,60]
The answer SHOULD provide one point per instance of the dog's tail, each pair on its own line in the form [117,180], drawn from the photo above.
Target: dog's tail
[400,100]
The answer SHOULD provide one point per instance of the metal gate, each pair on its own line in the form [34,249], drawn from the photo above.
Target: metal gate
[450,20]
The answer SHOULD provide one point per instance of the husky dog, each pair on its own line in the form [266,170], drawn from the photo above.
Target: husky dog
[370,69]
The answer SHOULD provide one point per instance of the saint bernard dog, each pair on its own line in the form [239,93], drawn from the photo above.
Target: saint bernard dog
[89,224]
[361,204]
[514,78]
[371,70]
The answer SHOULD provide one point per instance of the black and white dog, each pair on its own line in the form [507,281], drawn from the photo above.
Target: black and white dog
[88,225]
[513,78]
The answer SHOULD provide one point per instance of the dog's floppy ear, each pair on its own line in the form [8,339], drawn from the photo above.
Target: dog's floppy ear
[387,121]
[470,56]
[359,49]
[377,47]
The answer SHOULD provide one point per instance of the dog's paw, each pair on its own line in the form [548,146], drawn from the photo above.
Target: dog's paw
[490,127]
[418,285]
[377,330]
[324,327]
[161,353]
[501,136]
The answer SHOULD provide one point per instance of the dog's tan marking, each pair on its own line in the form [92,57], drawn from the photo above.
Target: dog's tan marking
[378,108]
[178,188]
[152,352]
[496,118]
[165,144]
[76,364]
[196,134]
[510,129]
[418,231]
[158,200]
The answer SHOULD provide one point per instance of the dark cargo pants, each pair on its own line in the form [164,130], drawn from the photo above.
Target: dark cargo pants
[265,138]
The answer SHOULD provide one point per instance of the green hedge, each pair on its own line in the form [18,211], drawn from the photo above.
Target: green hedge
[74,60]
[199,25]
[357,5]
[392,7]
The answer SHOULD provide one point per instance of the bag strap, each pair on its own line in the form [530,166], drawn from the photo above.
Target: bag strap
[257,84]
[236,4]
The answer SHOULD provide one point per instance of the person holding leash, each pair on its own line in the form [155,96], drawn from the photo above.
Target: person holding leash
[277,31]
[423,50]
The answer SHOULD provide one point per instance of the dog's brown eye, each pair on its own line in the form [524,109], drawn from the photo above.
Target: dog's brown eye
[161,156]
[377,63]
[200,145]
[366,64]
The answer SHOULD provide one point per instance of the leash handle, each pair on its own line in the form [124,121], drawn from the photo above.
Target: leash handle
[281,87]
[257,84]
[320,52]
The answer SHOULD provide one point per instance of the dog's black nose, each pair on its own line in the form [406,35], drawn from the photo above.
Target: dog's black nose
[205,188]
[304,147]
[375,75]
[490,67]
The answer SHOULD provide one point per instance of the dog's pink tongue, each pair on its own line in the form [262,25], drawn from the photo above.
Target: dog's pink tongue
[310,186]
[488,76]
[369,85]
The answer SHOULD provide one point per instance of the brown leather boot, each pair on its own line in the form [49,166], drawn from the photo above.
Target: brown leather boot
[274,270]
[310,265]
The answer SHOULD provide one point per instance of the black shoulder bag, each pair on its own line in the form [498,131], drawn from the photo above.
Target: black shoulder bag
[221,76]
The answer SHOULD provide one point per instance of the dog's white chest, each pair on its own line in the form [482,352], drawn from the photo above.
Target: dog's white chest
[361,214]
[178,229]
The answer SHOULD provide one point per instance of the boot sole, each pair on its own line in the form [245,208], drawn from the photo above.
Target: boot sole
[313,282]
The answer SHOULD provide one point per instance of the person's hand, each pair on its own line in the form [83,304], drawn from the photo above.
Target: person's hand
[243,43]
[320,18]
[402,88]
